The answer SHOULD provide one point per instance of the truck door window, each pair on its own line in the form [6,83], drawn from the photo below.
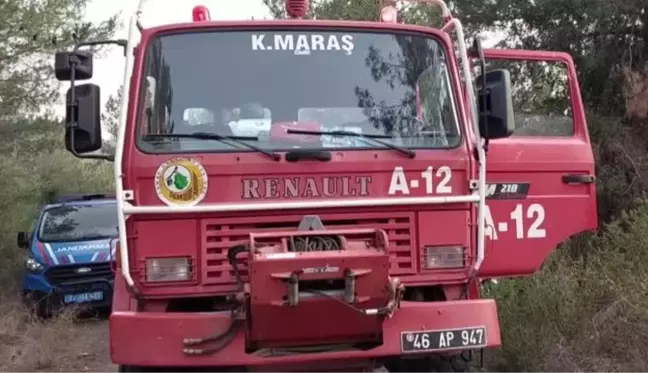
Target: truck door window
[157,93]
[373,75]
[541,98]
[436,104]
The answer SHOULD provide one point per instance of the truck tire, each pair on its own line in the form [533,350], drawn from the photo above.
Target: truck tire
[136,368]
[430,364]
[132,368]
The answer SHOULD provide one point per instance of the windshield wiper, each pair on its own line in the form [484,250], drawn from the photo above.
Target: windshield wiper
[408,152]
[214,136]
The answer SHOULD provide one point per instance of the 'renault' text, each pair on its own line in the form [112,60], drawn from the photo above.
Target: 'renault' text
[306,187]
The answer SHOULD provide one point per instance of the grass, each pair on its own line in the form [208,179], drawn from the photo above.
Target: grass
[70,341]
[581,313]
[31,345]
[25,343]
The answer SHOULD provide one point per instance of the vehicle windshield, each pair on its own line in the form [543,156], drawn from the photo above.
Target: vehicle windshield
[260,84]
[79,223]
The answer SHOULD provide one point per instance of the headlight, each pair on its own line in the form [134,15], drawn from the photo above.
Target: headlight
[168,269]
[443,257]
[32,265]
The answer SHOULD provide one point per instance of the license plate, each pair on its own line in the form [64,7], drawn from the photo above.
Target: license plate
[449,339]
[83,297]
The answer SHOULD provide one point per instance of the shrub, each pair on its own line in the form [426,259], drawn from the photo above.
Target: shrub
[24,179]
[587,313]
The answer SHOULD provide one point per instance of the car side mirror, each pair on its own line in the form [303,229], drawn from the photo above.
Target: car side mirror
[23,239]
[496,118]
[78,61]
[83,119]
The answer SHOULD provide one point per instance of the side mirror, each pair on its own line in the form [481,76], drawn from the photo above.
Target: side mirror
[23,239]
[65,62]
[83,120]
[496,118]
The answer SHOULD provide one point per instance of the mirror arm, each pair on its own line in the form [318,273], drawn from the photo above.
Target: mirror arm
[73,123]
[73,103]
[120,42]
[483,96]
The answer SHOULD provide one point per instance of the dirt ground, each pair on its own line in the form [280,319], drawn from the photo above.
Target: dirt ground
[65,344]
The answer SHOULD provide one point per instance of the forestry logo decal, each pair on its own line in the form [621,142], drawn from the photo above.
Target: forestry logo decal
[181,182]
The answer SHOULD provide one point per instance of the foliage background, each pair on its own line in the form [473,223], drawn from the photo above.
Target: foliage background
[34,163]
[586,310]
[33,158]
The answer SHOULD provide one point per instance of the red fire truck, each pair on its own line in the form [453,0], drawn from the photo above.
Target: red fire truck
[318,195]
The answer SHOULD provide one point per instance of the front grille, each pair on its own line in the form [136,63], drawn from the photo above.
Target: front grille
[218,235]
[67,274]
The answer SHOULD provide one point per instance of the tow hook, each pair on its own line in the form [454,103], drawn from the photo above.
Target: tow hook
[395,291]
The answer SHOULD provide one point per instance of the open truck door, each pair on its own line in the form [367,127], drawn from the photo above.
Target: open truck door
[540,181]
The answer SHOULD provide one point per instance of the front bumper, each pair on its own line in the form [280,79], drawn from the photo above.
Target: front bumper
[158,340]
[37,289]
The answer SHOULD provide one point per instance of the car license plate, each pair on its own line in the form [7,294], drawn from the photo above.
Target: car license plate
[436,340]
[83,297]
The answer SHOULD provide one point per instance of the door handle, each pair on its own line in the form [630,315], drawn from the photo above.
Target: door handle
[578,179]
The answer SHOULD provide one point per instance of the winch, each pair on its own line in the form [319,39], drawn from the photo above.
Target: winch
[319,287]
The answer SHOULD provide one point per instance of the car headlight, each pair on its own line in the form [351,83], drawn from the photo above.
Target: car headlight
[32,265]
[168,269]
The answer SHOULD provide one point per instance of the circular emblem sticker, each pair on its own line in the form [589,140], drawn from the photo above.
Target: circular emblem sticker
[181,181]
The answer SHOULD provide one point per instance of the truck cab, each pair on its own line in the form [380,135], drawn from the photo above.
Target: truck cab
[69,254]
[313,194]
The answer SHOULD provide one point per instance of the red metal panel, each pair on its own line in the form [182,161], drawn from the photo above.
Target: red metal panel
[159,335]
[443,228]
[218,235]
[269,308]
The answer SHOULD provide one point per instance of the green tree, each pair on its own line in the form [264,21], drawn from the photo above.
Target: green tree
[34,162]
[605,37]
[110,120]
[30,32]
[32,153]
[608,40]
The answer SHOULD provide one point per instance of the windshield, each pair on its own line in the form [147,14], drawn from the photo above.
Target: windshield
[78,223]
[260,84]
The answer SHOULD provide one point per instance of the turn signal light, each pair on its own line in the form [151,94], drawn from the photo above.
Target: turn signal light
[444,257]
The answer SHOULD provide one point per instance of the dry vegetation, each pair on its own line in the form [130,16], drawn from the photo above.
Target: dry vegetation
[587,309]
[581,314]
[63,343]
